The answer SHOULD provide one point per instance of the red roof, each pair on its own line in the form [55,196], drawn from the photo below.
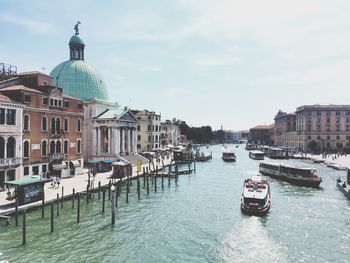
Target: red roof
[20,87]
[263,127]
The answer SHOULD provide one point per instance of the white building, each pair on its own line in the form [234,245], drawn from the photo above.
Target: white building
[10,140]
[170,133]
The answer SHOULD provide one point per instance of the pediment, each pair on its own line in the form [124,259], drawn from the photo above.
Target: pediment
[127,116]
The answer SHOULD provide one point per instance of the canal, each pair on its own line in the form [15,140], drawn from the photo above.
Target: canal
[199,220]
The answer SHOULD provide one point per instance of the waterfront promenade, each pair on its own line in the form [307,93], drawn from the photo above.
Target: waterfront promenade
[78,182]
[342,160]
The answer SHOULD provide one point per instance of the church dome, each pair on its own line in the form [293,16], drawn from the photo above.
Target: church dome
[80,80]
[76,77]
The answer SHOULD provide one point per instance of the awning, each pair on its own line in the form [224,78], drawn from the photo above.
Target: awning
[107,161]
[75,163]
[59,166]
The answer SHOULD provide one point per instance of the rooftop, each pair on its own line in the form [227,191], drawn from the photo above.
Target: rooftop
[20,87]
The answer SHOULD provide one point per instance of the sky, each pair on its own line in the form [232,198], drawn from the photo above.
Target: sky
[208,62]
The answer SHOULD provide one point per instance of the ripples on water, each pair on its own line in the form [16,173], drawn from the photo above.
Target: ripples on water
[197,221]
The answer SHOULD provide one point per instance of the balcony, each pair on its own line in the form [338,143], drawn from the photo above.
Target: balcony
[56,134]
[10,161]
[56,156]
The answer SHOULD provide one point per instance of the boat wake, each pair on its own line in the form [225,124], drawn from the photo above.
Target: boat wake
[250,242]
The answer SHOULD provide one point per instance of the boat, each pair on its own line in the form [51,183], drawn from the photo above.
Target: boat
[250,146]
[202,158]
[344,185]
[295,175]
[237,146]
[256,155]
[336,166]
[229,156]
[276,153]
[255,199]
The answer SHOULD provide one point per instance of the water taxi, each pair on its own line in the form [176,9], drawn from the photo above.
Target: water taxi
[229,156]
[256,155]
[250,146]
[276,153]
[294,175]
[344,185]
[255,198]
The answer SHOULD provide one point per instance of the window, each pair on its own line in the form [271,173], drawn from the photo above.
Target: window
[65,124]
[11,175]
[11,147]
[35,170]
[26,170]
[138,127]
[58,126]
[51,102]
[43,148]
[139,137]
[44,123]
[337,113]
[318,113]
[60,103]
[65,147]
[2,116]
[318,137]
[52,147]
[328,113]
[328,137]
[26,123]
[58,147]
[44,168]
[149,128]
[78,125]
[11,117]
[27,98]
[45,101]
[78,146]
[2,147]
[53,125]
[55,101]
[26,149]
[338,137]
[309,137]
[79,106]
[66,104]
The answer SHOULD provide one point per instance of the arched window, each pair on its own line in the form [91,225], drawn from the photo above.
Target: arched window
[65,124]
[78,146]
[65,147]
[44,123]
[52,147]
[11,147]
[79,125]
[26,149]
[58,126]
[58,147]
[2,147]
[26,124]
[44,148]
[53,125]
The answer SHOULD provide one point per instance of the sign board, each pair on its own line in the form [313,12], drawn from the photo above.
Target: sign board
[32,193]
[139,165]
[35,146]
[72,145]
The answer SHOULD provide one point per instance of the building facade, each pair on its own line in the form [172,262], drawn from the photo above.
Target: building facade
[52,125]
[170,133]
[285,129]
[149,130]
[262,134]
[10,140]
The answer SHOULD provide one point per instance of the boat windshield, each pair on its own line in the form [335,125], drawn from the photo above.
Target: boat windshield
[228,154]
[249,201]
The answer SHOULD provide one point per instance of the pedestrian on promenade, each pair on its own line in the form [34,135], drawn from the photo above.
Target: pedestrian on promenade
[58,180]
[53,184]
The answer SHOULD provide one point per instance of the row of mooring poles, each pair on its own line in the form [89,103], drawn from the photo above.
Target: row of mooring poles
[113,194]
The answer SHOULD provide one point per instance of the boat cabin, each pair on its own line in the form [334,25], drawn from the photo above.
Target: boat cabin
[121,170]
[100,166]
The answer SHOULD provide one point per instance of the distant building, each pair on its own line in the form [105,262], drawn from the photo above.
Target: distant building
[11,115]
[170,133]
[262,134]
[52,125]
[149,130]
[285,129]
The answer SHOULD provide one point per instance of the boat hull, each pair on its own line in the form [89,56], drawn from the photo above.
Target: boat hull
[254,157]
[343,190]
[229,160]
[255,212]
[313,184]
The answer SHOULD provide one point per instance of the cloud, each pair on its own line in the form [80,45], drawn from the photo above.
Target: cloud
[31,25]
[213,61]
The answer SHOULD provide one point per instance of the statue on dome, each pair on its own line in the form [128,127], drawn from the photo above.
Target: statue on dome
[76,27]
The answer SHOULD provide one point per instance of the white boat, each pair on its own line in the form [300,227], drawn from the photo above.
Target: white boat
[276,153]
[256,155]
[336,166]
[255,198]
[250,146]
[294,175]
[229,156]
[344,185]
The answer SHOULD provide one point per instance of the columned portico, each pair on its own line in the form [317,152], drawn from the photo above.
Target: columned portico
[122,142]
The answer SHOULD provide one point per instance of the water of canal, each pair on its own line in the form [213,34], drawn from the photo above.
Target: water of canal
[199,220]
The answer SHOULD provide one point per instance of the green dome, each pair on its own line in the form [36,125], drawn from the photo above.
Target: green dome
[75,39]
[80,80]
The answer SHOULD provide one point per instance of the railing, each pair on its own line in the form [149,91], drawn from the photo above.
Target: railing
[57,134]
[10,161]
[56,156]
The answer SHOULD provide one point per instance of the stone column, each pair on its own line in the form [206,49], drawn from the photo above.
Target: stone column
[117,141]
[135,140]
[93,149]
[109,149]
[129,141]
[98,141]
[122,141]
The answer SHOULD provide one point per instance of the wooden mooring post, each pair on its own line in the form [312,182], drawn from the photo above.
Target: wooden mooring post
[116,194]
[138,188]
[144,177]
[103,200]
[99,190]
[113,204]
[162,181]
[52,217]
[155,182]
[58,204]
[147,186]
[73,197]
[127,192]
[43,205]
[24,232]
[16,211]
[78,210]
[62,196]
[109,190]
[87,194]
[194,166]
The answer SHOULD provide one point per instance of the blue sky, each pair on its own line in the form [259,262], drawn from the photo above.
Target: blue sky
[223,62]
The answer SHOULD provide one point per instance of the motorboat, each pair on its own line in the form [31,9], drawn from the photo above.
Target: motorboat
[250,146]
[255,199]
[295,175]
[229,156]
[256,155]
[344,185]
